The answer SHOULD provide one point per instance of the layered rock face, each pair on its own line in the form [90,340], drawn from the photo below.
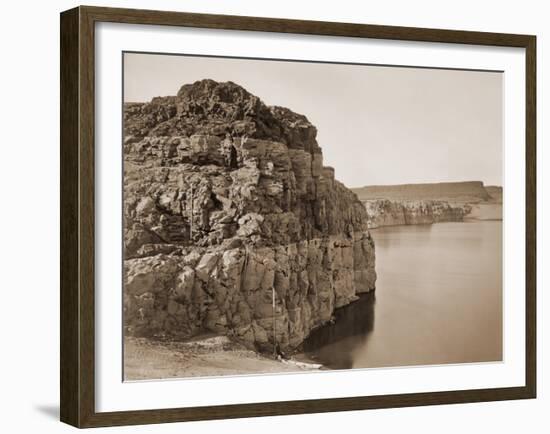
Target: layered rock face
[229,211]
[410,204]
[463,192]
[384,212]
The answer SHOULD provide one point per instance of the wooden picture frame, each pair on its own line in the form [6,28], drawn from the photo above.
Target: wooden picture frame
[77,215]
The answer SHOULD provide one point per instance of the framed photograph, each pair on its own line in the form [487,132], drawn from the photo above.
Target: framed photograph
[266,216]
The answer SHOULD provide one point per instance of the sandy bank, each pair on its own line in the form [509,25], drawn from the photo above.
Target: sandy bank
[146,359]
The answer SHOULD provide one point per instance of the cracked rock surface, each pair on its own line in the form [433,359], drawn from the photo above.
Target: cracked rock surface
[227,206]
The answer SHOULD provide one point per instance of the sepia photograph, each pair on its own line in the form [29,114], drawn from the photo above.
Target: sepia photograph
[286,216]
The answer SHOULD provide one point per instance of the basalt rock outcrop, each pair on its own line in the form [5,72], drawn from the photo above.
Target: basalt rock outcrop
[384,212]
[455,192]
[229,211]
[410,204]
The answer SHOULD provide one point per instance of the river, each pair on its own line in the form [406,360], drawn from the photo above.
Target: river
[438,300]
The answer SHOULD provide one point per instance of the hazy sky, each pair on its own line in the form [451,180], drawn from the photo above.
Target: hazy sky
[376,125]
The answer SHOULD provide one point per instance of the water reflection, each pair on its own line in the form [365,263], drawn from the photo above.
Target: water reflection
[334,344]
[438,300]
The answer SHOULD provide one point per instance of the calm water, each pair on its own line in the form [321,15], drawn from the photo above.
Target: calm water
[438,300]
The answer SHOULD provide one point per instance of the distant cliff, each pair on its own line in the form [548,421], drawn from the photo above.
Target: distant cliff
[384,212]
[228,210]
[406,204]
[467,192]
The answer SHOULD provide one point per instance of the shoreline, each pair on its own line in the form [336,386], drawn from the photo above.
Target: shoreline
[212,355]
[466,220]
[203,356]
[478,213]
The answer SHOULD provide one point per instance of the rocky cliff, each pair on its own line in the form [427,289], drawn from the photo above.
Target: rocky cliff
[228,210]
[465,192]
[409,204]
[384,212]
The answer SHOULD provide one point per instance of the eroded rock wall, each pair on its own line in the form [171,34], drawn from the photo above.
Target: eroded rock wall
[385,212]
[227,205]
[231,291]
